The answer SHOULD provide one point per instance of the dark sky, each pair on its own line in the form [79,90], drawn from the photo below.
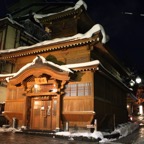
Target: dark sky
[125,27]
[4,4]
[123,24]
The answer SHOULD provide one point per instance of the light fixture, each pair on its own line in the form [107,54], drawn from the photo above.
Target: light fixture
[138,80]
[54,89]
[132,82]
[128,106]
[140,109]
[36,86]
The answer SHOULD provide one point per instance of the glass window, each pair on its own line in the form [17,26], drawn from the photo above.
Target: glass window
[78,89]
[73,89]
[81,89]
[87,89]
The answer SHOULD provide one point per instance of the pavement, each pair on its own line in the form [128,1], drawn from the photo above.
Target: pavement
[78,138]
[53,134]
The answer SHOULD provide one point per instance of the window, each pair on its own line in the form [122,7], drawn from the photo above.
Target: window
[87,89]
[6,67]
[78,89]
[81,89]
[73,90]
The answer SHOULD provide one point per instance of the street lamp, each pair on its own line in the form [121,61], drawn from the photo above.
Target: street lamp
[132,83]
[138,80]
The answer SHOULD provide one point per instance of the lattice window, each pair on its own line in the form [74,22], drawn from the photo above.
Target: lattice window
[78,89]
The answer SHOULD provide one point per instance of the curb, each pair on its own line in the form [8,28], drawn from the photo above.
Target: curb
[80,138]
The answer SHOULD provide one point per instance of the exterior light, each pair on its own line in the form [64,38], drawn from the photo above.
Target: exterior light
[138,80]
[128,106]
[131,118]
[141,110]
[54,89]
[132,83]
[36,88]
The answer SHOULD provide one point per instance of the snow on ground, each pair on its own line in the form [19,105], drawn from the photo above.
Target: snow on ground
[122,129]
[10,129]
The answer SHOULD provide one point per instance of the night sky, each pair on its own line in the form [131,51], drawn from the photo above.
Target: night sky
[125,27]
[123,24]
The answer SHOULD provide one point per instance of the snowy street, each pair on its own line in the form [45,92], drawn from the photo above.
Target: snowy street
[128,136]
[137,137]
[14,138]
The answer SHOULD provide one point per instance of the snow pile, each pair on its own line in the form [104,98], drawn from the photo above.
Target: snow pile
[126,129]
[79,36]
[10,129]
[77,6]
[11,21]
[123,130]
[95,134]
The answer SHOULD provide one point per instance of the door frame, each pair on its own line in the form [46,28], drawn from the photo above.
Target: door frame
[53,112]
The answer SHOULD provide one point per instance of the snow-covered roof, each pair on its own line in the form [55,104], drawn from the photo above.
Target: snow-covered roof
[80,65]
[19,25]
[77,5]
[66,68]
[11,21]
[89,34]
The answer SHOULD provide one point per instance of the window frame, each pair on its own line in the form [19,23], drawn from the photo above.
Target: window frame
[78,89]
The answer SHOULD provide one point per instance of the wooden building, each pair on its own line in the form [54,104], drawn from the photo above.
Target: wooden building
[13,35]
[72,79]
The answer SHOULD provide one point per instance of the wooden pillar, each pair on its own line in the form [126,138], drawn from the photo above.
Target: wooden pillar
[58,118]
[59,109]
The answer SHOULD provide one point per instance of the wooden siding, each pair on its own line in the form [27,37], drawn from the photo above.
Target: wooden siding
[109,101]
[67,56]
[63,28]
[79,110]
[3,93]
[15,105]
[76,103]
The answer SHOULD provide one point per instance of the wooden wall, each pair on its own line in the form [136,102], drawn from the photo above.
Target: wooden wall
[62,28]
[79,110]
[15,104]
[68,56]
[2,93]
[109,101]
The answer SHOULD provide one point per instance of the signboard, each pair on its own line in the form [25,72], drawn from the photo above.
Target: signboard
[41,80]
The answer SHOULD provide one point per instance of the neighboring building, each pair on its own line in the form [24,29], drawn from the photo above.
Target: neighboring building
[72,79]
[13,35]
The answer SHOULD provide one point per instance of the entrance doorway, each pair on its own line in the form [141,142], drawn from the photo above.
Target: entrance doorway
[43,113]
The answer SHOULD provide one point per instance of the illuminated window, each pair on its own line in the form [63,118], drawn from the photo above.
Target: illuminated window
[78,89]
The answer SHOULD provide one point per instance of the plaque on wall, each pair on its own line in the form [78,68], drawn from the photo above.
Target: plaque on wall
[41,80]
